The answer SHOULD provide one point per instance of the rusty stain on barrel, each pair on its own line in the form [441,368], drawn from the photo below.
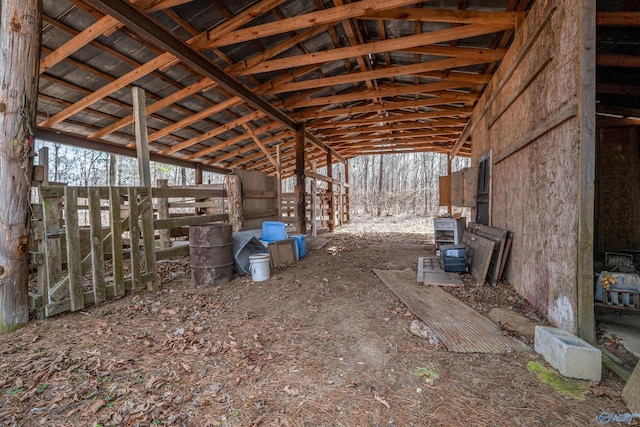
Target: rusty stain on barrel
[211,253]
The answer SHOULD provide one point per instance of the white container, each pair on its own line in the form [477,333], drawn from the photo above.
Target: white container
[259,267]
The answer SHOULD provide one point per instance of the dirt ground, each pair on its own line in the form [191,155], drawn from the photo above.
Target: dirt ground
[321,343]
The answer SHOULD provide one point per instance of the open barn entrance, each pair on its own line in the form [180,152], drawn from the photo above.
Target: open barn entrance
[617,184]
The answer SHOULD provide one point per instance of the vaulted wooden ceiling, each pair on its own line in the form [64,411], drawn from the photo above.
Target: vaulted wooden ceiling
[229,80]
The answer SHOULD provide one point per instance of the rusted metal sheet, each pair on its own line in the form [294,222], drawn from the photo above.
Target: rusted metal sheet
[462,329]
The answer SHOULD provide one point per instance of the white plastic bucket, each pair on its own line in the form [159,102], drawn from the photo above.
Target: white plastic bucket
[259,267]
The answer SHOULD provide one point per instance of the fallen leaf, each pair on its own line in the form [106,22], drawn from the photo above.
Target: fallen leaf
[382,401]
[95,407]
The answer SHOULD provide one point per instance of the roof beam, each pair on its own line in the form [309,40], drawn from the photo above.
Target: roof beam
[312,19]
[380,73]
[392,119]
[389,105]
[149,30]
[399,43]
[260,145]
[427,88]
[505,19]
[618,19]
[612,60]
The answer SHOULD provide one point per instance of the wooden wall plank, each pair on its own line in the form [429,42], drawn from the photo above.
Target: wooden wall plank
[97,252]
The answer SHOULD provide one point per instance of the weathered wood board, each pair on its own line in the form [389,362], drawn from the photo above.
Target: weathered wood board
[480,251]
[430,274]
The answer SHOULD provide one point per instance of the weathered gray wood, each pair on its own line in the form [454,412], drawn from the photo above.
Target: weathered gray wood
[116,242]
[142,138]
[430,273]
[163,213]
[314,201]
[160,224]
[172,192]
[148,238]
[480,250]
[97,251]
[72,235]
[65,305]
[43,160]
[499,238]
[332,212]
[587,100]
[173,252]
[234,191]
[266,213]
[300,181]
[53,259]
[279,178]
[134,239]
[20,28]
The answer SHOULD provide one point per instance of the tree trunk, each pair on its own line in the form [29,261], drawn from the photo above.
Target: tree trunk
[20,24]
[380,186]
[113,170]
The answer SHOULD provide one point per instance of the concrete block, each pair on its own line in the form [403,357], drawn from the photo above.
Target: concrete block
[570,355]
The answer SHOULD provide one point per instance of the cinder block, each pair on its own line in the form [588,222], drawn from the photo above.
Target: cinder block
[570,355]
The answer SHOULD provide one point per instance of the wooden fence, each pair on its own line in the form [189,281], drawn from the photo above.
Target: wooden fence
[78,266]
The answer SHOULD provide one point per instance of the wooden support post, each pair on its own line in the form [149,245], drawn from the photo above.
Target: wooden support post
[142,138]
[233,185]
[300,181]
[163,213]
[332,215]
[346,192]
[134,239]
[144,168]
[116,241]
[279,178]
[72,234]
[20,25]
[43,160]
[340,201]
[449,207]
[314,206]
[97,251]
[199,211]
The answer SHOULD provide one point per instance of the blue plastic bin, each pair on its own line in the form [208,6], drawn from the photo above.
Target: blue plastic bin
[301,242]
[273,231]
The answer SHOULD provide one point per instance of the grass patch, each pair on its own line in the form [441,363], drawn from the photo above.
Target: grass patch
[567,387]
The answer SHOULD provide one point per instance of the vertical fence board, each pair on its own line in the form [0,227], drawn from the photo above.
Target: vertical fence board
[148,238]
[163,213]
[134,239]
[72,232]
[116,242]
[53,258]
[97,251]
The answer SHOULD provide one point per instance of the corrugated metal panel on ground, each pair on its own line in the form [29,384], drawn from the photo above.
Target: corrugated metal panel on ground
[461,328]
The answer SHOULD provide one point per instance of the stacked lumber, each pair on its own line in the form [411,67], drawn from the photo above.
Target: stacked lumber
[488,248]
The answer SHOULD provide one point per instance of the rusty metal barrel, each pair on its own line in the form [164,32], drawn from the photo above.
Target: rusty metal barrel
[211,253]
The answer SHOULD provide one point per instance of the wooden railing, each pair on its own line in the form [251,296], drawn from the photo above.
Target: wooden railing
[117,246]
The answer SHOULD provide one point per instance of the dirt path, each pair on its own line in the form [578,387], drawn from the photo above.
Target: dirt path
[322,343]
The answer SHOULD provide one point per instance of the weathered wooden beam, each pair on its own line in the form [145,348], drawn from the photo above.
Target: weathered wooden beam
[332,215]
[260,145]
[307,20]
[614,60]
[432,37]
[87,35]
[300,180]
[459,52]
[509,19]
[427,88]
[382,73]
[395,104]
[618,19]
[20,26]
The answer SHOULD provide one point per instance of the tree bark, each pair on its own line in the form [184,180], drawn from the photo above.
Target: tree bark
[20,24]
[380,186]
